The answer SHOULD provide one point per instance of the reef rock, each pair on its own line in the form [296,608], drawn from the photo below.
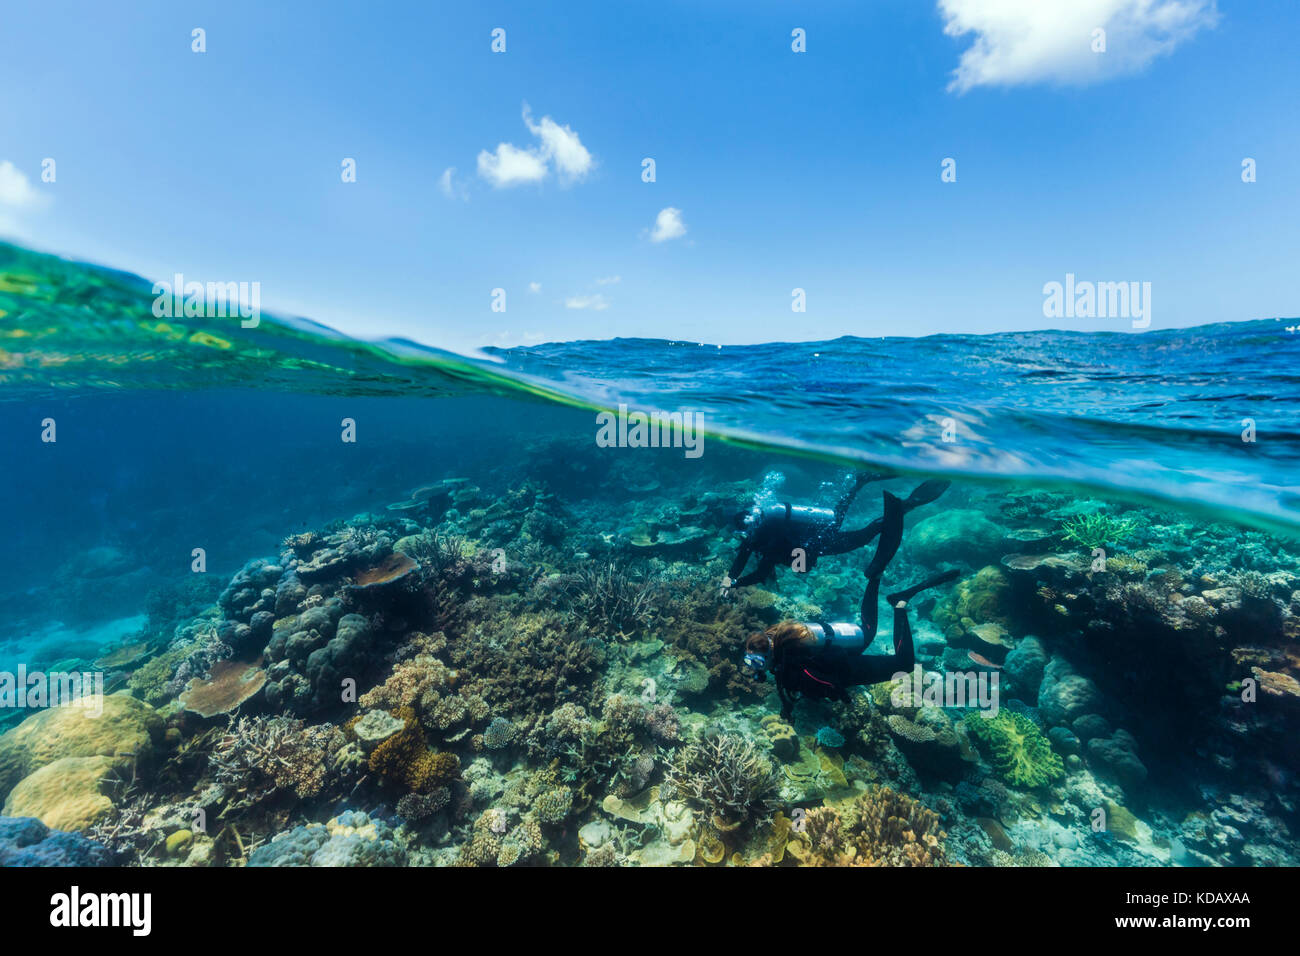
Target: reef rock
[1023,669]
[1116,756]
[1065,695]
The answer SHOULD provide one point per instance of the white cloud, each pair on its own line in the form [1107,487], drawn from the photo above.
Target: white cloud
[15,190]
[609,280]
[668,225]
[595,302]
[1030,41]
[534,287]
[512,165]
[450,187]
[16,193]
[561,144]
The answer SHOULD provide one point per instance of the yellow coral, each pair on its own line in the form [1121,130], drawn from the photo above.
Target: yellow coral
[406,759]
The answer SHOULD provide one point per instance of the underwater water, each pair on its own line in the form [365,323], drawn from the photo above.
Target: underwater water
[339,603]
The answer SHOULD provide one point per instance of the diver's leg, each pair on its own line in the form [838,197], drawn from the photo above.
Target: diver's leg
[860,480]
[874,668]
[904,652]
[906,595]
[787,702]
[890,539]
[870,611]
[891,536]
[842,542]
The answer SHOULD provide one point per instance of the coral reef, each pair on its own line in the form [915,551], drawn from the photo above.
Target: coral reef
[498,673]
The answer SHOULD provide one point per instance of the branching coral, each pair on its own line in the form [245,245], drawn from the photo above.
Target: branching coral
[726,776]
[1097,530]
[613,600]
[879,828]
[702,630]
[256,758]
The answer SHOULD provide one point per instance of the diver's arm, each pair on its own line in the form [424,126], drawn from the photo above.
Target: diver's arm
[787,700]
[742,558]
[761,573]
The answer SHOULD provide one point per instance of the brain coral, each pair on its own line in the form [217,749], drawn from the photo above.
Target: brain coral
[126,727]
[68,794]
[1018,750]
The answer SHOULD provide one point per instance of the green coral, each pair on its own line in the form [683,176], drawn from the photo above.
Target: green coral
[1018,750]
[1097,530]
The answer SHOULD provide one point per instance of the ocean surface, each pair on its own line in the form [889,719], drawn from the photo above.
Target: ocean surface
[183,493]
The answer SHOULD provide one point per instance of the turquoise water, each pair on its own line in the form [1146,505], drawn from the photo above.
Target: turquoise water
[433,608]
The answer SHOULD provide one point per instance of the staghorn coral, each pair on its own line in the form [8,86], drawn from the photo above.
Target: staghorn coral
[1097,530]
[727,777]
[257,758]
[612,600]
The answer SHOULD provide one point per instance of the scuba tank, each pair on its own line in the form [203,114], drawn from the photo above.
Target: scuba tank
[839,636]
[802,515]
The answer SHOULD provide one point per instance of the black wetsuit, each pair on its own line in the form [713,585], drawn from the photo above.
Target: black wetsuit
[777,535]
[824,672]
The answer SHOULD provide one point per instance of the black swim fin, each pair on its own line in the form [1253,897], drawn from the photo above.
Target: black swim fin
[891,536]
[916,589]
[926,492]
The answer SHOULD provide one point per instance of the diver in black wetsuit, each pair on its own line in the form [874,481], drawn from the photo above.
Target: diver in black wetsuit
[821,660]
[775,532]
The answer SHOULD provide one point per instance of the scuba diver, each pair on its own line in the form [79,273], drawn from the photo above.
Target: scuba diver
[821,660]
[777,531]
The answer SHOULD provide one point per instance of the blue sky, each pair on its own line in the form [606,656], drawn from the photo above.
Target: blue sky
[817,170]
